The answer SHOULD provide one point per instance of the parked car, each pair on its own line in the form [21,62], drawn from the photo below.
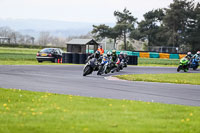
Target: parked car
[49,54]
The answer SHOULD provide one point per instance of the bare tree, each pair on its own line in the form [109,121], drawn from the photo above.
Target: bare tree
[5,31]
[44,38]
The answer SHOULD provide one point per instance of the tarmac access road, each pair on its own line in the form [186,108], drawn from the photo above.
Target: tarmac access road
[68,79]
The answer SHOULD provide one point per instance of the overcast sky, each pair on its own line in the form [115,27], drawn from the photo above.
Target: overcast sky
[77,10]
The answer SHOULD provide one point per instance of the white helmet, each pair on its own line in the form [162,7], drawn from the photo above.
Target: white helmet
[104,55]
[189,53]
[198,53]
[109,53]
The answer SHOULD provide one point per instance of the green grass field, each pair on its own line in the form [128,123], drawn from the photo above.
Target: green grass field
[20,56]
[37,112]
[26,56]
[17,54]
[157,62]
[178,78]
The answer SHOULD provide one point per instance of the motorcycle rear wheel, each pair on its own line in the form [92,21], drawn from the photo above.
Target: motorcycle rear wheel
[194,68]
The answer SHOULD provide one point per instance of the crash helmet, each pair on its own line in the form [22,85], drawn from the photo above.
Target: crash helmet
[198,53]
[113,52]
[189,53]
[125,54]
[121,53]
[109,53]
[97,54]
[104,55]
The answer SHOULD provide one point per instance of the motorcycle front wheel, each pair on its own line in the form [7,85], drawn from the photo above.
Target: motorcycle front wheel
[179,68]
[87,70]
[100,70]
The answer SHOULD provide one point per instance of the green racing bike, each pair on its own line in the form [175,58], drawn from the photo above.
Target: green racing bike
[183,65]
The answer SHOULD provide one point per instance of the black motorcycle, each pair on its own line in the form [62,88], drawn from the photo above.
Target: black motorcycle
[90,66]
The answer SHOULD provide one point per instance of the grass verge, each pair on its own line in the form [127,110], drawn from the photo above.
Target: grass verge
[157,61]
[24,111]
[178,78]
[157,65]
[29,62]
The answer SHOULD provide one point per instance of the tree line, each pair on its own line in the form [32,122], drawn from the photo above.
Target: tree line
[175,26]
[44,38]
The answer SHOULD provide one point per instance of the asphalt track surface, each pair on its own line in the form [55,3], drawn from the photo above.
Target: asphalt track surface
[68,79]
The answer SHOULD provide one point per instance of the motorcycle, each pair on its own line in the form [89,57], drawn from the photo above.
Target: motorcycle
[126,61]
[183,65]
[194,64]
[121,64]
[104,67]
[90,66]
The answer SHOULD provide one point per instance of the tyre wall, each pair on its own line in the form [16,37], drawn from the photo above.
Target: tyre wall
[81,58]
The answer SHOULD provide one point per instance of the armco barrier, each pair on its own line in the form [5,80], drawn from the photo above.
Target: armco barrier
[144,54]
[154,55]
[147,54]
[164,56]
[181,55]
[174,56]
[136,54]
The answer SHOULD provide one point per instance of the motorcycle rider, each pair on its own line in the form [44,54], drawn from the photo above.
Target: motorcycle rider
[109,55]
[120,59]
[189,58]
[104,61]
[92,63]
[95,55]
[189,55]
[126,58]
[121,56]
[113,61]
[197,55]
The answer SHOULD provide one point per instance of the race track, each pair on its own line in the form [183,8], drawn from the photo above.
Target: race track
[68,79]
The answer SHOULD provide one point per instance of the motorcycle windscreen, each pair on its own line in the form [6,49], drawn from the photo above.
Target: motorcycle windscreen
[93,62]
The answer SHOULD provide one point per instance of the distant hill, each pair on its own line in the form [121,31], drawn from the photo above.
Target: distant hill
[56,28]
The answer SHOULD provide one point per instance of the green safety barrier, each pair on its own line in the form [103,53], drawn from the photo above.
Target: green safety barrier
[90,51]
[129,52]
[118,52]
[174,56]
[136,54]
[105,51]
[154,55]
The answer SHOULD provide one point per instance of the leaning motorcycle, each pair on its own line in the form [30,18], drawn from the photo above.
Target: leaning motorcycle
[90,66]
[105,66]
[120,65]
[194,64]
[183,65]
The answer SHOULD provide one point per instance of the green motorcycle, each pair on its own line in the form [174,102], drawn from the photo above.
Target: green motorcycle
[183,65]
